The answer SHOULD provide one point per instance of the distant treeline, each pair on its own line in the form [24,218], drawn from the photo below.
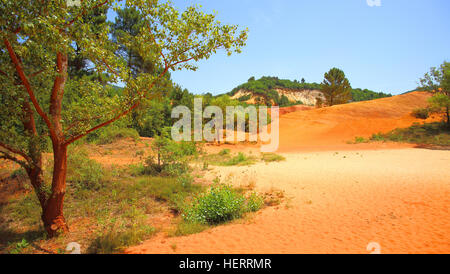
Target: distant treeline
[266,86]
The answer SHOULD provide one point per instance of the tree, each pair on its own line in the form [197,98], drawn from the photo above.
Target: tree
[336,87]
[127,26]
[303,80]
[437,81]
[36,39]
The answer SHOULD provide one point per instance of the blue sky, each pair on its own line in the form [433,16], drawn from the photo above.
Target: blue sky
[383,48]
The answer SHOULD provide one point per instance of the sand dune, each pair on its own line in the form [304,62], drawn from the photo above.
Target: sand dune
[331,127]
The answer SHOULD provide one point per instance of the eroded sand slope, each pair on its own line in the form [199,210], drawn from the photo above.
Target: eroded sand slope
[331,127]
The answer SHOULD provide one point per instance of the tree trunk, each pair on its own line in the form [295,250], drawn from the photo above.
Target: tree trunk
[52,215]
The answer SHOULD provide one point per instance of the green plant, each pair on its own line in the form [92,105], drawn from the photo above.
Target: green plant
[112,133]
[254,203]
[187,228]
[224,152]
[272,157]
[115,241]
[19,247]
[82,172]
[220,204]
[240,159]
[421,113]
[359,140]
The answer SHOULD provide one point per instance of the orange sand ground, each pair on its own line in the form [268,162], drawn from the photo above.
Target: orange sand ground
[330,128]
[340,197]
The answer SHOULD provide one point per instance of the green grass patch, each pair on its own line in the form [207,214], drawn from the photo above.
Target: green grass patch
[430,133]
[225,158]
[271,157]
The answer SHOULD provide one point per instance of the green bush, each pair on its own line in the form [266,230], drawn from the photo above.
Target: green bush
[220,204]
[113,133]
[115,241]
[82,172]
[272,157]
[254,203]
[421,113]
[240,159]
[169,157]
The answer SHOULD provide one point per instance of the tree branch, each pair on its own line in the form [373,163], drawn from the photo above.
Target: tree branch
[135,105]
[15,151]
[84,12]
[27,85]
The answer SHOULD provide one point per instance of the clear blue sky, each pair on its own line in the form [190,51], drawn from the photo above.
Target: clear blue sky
[383,48]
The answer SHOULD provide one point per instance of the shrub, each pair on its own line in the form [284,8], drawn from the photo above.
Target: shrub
[113,133]
[254,203]
[115,241]
[220,204]
[421,113]
[170,157]
[240,159]
[224,152]
[359,140]
[272,157]
[82,172]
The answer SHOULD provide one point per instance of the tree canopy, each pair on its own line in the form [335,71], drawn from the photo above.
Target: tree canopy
[336,87]
[41,99]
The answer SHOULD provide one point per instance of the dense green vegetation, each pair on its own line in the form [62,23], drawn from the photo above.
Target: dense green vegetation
[265,87]
[429,134]
[366,95]
[437,81]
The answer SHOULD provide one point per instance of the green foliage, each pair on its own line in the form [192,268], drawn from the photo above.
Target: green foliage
[272,157]
[336,87]
[359,140]
[113,133]
[188,228]
[116,241]
[225,158]
[220,204]
[421,113]
[438,82]
[82,172]
[265,84]
[169,158]
[170,190]
[431,133]
[254,203]
[19,247]
[240,159]
[265,87]
[441,102]
[224,152]
[366,95]
[43,36]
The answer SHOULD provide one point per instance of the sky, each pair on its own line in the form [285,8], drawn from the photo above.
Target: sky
[382,45]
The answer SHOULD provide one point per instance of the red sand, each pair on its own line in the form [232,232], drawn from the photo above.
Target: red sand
[330,128]
[341,197]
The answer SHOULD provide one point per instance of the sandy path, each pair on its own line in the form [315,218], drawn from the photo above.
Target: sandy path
[340,203]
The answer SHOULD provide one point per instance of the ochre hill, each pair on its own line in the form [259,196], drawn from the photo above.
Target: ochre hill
[331,127]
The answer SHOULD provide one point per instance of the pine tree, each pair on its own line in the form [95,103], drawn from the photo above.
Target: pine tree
[336,87]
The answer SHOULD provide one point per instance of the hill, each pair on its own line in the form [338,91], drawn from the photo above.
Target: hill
[334,126]
[283,92]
